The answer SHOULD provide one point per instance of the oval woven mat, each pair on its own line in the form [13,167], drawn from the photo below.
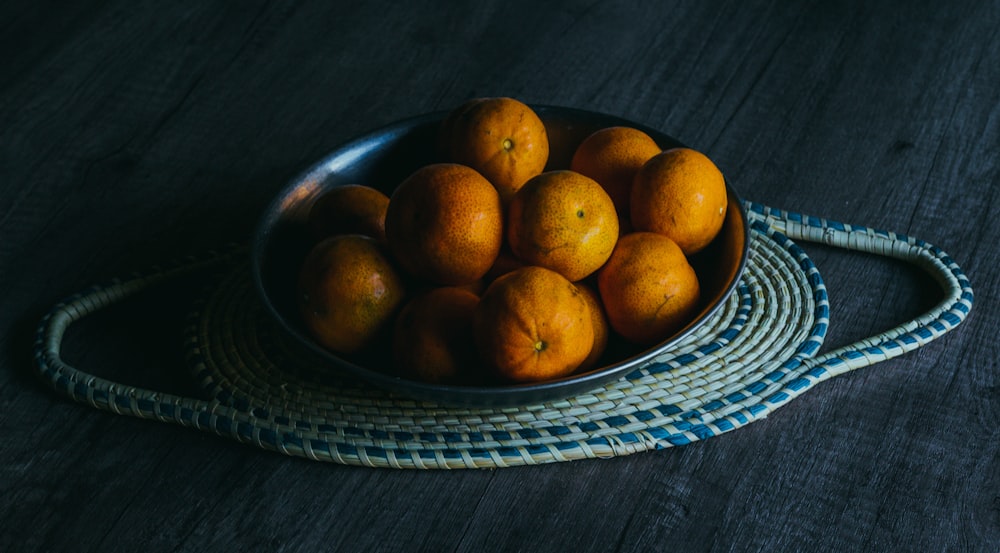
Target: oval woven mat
[735,369]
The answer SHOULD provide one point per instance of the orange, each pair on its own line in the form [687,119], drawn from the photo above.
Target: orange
[601,328]
[612,156]
[432,340]
[446,131]
[502,138]
[648,288]
[476,287]
[681,194]
[348,292]
[505,263]
[444,224]
[564,221]
[532,324]
[349,209]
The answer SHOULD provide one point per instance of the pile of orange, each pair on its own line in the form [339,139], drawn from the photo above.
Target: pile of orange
[495,267]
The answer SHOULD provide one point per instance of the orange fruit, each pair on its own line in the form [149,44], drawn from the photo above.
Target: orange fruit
[681,194]
[502,138]
[564,221]
[446,131]
[432,340]
[612,156]
[601,327]
[349,209]
[444,224]
[648,288]
[476,287]
[505,263]
[348,292]
[532,324]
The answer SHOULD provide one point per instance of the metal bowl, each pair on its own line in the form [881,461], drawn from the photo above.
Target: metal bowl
[382,159]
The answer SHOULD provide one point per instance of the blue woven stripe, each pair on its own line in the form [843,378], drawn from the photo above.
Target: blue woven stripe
[657,433]
[668,410]
[123,403]
[852,355]
[566,446]
[816,372]
[836,225]
[952,319]
[458,437]
[679,439]
[703,432]
[616,420]
[653,368]
[724,425]
[873,351]
[810,347]
[736,397]
[320,446]
[536,449]
[685,359]
[628,438]
[729,334]
[243,430]
[292,440]
[710,348]
[712,406]
[63,384]
[834,363]
[777,397]
[166,409]
[776,375]
[268,437]
[643,416]
[799,384]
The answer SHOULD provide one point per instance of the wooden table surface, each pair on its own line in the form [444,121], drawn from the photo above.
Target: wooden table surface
[134,133]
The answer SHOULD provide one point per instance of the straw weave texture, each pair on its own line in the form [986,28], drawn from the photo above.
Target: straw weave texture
[757,353]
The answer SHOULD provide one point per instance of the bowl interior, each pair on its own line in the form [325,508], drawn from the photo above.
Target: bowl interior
[383,158]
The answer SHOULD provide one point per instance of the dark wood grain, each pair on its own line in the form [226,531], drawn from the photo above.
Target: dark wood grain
[132,133]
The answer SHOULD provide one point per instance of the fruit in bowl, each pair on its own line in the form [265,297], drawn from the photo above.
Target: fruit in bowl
[510,292]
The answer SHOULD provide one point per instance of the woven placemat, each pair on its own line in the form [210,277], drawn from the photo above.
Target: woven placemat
[753,356]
